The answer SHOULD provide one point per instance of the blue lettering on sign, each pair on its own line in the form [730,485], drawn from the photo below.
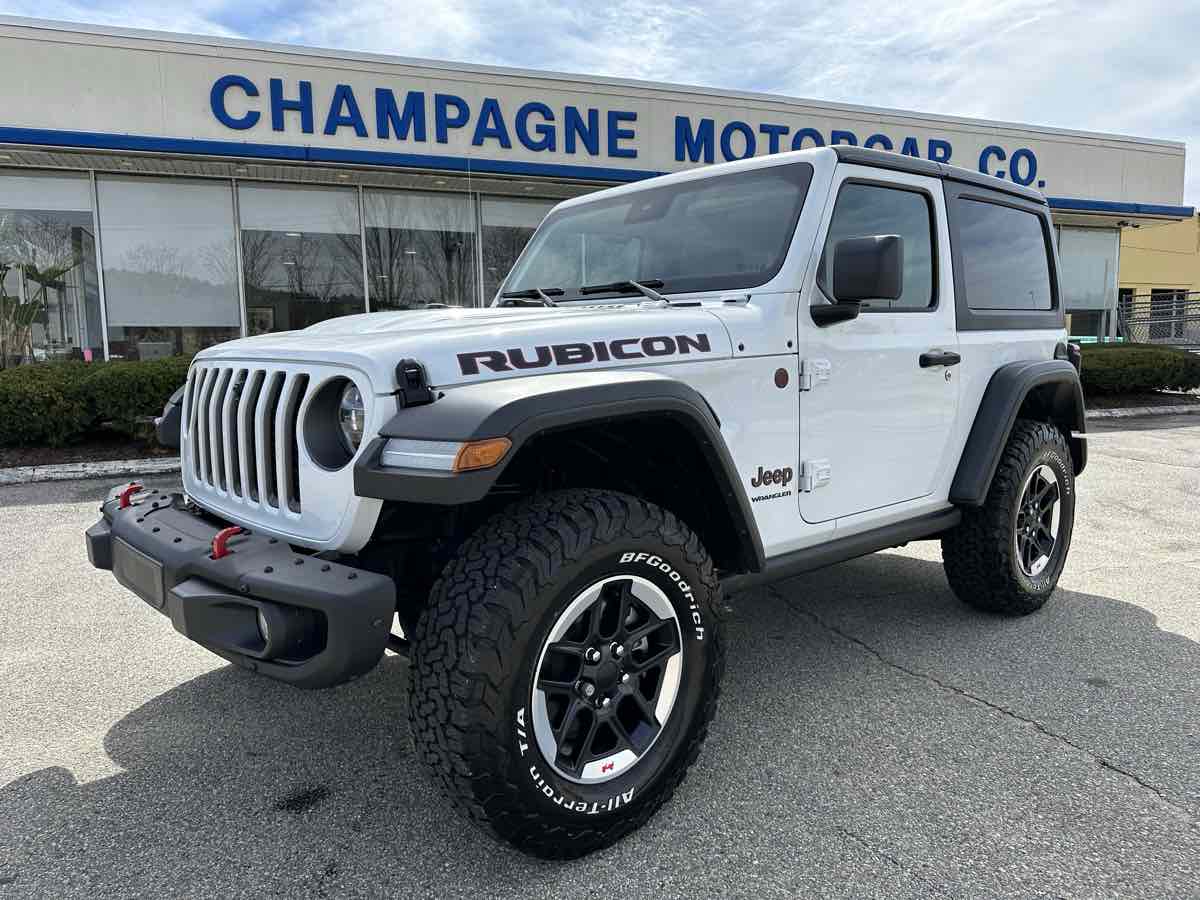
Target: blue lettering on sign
[587,133]
[616,134]
[389,119]
[343,98]
[491,125]
[1022,158]
[811,134]
[443,121]
[302,105]
[773,133]
[542,128]
[748,142]
[216,99]
[693,146]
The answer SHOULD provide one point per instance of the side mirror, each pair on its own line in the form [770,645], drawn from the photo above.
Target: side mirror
[864,268]
[868,268]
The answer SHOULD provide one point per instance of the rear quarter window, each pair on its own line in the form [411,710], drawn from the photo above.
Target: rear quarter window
[1004,257]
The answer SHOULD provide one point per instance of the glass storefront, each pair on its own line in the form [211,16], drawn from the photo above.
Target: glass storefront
[420,249]
[508,225]
[301,255]
[191,262]
[170,265]
[49,290]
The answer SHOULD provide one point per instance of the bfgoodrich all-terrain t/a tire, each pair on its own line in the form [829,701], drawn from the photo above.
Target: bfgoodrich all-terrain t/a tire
[566,669]
[1007,555]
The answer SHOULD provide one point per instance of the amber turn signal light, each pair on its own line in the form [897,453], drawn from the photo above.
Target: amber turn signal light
[481,454]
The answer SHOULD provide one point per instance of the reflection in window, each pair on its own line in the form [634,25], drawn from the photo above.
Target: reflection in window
[170,266]
[864,210]
[719,233]
[1004,262]
[301,256]
[49,292]
[507,227]
[420,249]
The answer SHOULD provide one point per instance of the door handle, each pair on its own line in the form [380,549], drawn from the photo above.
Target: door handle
[939,358]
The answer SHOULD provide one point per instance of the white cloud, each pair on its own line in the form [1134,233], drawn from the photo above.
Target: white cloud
[1103,66]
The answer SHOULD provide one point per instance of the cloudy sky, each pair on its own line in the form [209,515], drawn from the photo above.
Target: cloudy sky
[1129,68]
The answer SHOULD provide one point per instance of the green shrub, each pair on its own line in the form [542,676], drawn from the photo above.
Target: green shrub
[118,394]
[1130,368]
[42,404]
[59,403]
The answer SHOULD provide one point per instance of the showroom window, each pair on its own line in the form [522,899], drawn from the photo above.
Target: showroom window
[49,290]
[170,265]
[420,249]
[507,227]
[301,255]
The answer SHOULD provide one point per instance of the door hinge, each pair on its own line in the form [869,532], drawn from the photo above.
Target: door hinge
[813,372]
[814,473]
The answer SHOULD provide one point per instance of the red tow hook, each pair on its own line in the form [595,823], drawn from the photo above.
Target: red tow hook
[221,539]
[125,498]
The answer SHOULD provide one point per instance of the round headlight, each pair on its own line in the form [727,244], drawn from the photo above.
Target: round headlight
[352,415]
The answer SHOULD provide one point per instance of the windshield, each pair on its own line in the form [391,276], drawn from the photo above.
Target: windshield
[719,233]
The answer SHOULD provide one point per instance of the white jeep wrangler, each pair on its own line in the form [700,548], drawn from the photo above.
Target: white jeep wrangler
[686,386]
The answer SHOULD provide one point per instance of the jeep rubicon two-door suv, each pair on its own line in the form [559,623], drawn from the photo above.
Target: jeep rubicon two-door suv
[686,386]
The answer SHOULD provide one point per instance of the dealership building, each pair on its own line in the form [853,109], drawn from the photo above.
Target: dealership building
[160,193]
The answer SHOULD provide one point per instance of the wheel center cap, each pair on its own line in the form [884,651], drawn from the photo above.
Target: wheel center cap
[607,676]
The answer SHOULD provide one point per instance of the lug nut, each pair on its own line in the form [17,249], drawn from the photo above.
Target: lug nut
[624,677]
[588,688]
[618,651]
[605,702]
[592,655]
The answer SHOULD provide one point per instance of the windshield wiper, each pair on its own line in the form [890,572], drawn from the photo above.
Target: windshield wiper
[626,287]
[541,295]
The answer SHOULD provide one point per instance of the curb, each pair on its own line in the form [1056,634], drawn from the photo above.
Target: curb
[101,469]
[1130,412]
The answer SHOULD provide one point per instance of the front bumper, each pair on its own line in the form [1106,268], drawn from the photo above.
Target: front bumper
[326,622]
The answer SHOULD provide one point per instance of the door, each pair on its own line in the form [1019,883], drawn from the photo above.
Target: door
[876,426]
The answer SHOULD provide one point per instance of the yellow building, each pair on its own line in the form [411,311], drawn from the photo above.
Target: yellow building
[1160,279]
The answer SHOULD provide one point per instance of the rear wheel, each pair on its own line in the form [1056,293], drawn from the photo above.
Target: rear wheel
[566,669]
[1007,556]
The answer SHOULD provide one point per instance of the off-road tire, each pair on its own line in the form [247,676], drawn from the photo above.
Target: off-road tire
[979,555]
[476,643]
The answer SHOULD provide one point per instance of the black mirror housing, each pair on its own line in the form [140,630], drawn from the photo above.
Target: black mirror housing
[868,268]
[824,314]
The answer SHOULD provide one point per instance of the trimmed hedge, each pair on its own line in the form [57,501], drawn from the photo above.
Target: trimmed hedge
[52,404]
[1134,368]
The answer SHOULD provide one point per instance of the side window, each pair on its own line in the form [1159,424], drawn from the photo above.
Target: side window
[863,210]
[1004,257]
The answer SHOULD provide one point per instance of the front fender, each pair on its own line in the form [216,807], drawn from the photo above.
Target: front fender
[522,408]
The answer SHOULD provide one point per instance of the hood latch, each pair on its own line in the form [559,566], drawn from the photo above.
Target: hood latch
[413,384]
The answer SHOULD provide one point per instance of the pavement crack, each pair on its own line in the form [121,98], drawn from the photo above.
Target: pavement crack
[1000,708]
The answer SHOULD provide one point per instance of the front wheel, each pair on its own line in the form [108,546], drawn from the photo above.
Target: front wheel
[1006,556]
[566,669]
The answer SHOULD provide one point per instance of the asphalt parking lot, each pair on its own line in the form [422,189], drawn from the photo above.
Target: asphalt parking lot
[875,737]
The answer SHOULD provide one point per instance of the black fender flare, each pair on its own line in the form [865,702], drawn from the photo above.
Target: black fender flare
[1059,395]
[522,408]
[167,427]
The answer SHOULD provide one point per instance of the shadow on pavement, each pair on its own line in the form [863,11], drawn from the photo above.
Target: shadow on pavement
[873,732]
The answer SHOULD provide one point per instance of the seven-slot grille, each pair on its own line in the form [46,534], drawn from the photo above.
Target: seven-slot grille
[241,433]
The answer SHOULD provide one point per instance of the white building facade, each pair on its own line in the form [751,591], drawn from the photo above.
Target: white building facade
[160,193]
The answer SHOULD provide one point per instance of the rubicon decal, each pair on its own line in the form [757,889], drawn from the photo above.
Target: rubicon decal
[544,355]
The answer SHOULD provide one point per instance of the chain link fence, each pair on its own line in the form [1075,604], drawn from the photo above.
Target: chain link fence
[1170,318]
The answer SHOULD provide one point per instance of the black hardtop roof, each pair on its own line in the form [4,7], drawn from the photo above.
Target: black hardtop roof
[881,159]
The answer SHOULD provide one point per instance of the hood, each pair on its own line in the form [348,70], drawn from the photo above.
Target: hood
[465,345]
